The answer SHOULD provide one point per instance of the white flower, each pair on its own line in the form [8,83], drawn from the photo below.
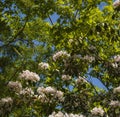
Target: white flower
[116,90]
[54,114]
[60,114]
[27,75]
[114,65]
[59,94]
[43,66]
[66,77]
[80,80]
[42,97]
[115,104]
[50,90]
[6,101]
[60,54]
[89,58]
[5,105]
[117,58]
[97,111]
[16,86]
[116,3]
[41,90]
[27,92]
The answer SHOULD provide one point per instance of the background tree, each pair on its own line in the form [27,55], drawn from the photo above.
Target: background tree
[83,43]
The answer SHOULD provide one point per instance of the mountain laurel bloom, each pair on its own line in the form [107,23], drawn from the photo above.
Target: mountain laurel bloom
[80,80]
[116,90]
[60,54]
[66,77]
[114,104]
[43,66]
[89,58]
[29,76]
[97,111]
[44,92]
[5,105]
[15,86]
[7,101]
[116,3]
[50,90]
[60,114]
[27,92]
[117,58]
[59,95]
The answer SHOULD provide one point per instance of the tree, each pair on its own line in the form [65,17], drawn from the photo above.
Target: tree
[46,67]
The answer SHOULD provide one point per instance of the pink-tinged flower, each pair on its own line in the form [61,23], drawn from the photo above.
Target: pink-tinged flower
[15,86]
[114,104]
[43,66]
[66,77]
[116,90]
[50,90]
[97,111]
[27,92]
[116,3]
[29,76]
[117,58]
[60,54]
[80,80]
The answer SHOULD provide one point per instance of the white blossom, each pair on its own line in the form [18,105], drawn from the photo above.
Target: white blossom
[60,54]
[6,101]
[30,76]
[40,90]
[27,92]
[89,58]
[50,90]
[97,111]
[116,90]
[116,3]
[15,86]
[59,94]
[80,80]
[61,114]
[43,66]
[115,104]
[42,97]
[5,105]
[117,58]
[114,65]
[66,77]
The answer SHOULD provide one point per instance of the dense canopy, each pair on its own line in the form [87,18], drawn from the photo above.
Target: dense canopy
[50,53]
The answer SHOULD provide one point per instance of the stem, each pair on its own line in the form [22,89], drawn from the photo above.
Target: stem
[50,20]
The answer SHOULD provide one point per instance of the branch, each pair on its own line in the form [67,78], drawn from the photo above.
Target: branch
[50,20]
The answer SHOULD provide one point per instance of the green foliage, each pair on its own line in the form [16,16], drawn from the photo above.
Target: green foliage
[89,35]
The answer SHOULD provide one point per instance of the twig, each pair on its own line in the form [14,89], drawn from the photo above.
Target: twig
[50,20]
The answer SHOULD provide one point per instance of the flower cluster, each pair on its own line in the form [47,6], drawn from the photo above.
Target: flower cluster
[115,104]
[66,77]
[80,80]
[116,3]
[49,92]
[97,111]
[60,54]
[5,105]
[60,114]
[29,76]
[15,86]
[116,90]
[89,58]
[27,92]
[43,66]
[116,59]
